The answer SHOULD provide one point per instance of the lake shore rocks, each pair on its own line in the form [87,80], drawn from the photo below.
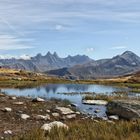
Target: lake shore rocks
[126,109]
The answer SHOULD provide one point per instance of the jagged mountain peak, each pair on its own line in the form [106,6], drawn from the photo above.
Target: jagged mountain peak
[55,55]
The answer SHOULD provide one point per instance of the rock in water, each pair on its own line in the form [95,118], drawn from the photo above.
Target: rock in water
[49,126]
[127,109]
[95,102]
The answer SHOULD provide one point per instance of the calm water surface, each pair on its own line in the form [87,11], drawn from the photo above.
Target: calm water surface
[57,91]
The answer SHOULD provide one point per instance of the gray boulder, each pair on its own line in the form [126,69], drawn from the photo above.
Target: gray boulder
[127,109]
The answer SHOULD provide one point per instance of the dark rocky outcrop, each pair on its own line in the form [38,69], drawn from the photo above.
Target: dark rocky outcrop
[127,109]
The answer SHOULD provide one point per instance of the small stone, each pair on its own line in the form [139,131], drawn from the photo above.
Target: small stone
[38,100]
[13,98]
[7,109]
[18,103]
[55,114]
[97,111]
[71,116]
[8,132]
[114,117]
[49,126]
[95,102]
[41,117]
[2,94]
[78,113]
[25,116]
[48,111]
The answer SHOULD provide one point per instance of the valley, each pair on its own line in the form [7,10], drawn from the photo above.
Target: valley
[40,98]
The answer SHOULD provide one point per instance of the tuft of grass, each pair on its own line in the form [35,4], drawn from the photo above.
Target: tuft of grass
[88,97]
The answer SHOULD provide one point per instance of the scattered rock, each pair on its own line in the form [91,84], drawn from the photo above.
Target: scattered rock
[55,114]
[97,111]
[127,109]
[38,100]
[18,103]
[78,113]
[64,110]
[114,117]
[25,116]
[41,117]
[12,98]
[7,109]
[71,116]
[48,111]
[49,126]
[2,94]
[8,132]
[95,102]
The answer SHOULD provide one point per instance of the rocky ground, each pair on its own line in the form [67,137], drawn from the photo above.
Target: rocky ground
[18,114]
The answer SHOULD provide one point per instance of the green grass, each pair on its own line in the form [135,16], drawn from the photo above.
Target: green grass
[88,130]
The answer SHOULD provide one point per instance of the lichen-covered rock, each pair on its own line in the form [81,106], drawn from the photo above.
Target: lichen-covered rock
[127,109]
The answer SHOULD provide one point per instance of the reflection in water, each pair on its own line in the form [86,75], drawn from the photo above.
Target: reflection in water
[50,91]
[55,88]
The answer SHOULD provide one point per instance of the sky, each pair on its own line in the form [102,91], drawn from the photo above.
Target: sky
[97,28]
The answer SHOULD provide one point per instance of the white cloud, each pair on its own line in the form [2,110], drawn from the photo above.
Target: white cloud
[90,49]
[7,56]
[118,47]
[58,27]
[25,57]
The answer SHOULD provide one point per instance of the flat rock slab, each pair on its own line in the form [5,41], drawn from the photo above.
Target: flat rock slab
[127,109]
[95,102]
[64,110]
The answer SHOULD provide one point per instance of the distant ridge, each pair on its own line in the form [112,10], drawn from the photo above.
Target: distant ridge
[123,64]
[41,63]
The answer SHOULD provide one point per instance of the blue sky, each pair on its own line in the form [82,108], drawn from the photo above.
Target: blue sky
[97,28]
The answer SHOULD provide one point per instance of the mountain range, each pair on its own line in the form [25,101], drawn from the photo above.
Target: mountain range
[77,67]
[44,63]
[120,65]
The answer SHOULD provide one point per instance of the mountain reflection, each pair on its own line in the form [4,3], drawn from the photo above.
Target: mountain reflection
[55,88]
